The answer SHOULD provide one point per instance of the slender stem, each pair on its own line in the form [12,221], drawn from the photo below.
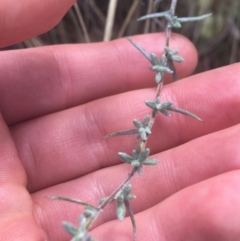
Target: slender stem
[173,7]
[169,28]
[110,198]
[110,20]
[81,22]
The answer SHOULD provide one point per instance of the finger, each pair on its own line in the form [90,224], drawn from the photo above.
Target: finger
[16,217]
[206,211]
[20,21]
[38,81]
[178,170]
[73,137]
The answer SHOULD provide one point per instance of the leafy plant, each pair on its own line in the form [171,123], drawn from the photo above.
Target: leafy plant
[122,196]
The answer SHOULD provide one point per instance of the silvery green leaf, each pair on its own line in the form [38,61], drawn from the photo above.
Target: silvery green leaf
[90,211]
[150,162]
[146,119]
[130,197]
[169,51]
[173,21]
[163,60]
[141,49]
[165,112]
[167,70]
[127,204]
[184,112]
[158,77]
[82,221]
[126,190]
[165,105]
[121,133]
[135,163]
[135,154]
[151,104]
[153,15]
[121,210]
[119,196]
[178,59]
[155,60]
[102,200]
[125,157]
[143,155]
[172,67]
[137,123]
[176,24]
[70,228]
[139,170]
[191,19]
[143,136]
[156,68]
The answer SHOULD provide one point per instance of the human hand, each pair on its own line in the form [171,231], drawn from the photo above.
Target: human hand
[59,101]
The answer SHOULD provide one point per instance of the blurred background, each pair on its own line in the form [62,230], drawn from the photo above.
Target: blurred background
[217,38]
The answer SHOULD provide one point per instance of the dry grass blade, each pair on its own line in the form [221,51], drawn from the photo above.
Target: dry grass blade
[110,20]
[148,21]
[128,18]
[81,22]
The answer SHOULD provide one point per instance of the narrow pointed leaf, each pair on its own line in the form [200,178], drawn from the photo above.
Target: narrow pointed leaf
[167,70]
[137,123]
[121,133]
[143,136]
[126,190]
[151,104]
[153,15]
[155,60]
[166,105]
[143,155]
[135,163]
[191,19]
[150,162]
[169,51]
[121,210]
[146,119]
[174,74]
[70,228]
[184,112]
[177,58]
[141,49]
[62,198]
[125,157]
[130,197]
[102,200]
[165,112]
[163,60]
[127,204]
[139,170]
[158,77]
[135,153]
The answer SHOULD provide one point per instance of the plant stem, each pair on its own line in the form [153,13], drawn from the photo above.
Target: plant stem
[169,28]
[111,197]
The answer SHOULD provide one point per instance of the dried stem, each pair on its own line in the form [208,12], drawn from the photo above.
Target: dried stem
[172,13]
[81,22]
[110,20]
[111,197]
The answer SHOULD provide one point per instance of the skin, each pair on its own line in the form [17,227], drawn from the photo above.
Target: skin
[58,102]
